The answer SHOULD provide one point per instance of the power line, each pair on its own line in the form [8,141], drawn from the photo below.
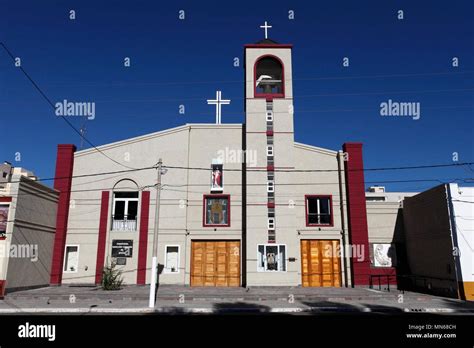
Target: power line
[303,96]
[264,170]
[332,170]
[52,105]
[88,175]
[240,81]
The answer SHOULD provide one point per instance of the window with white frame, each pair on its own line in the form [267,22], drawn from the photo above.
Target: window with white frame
[271,224]
[270,150]
[270,186]
[318,210]
[71,258]
[271,258]
[269,116]
[172,259]
[125,211]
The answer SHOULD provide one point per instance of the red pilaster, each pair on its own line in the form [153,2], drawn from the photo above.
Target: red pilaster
[357,212]
[143,238]
[104,209]
[62,183]
[3,284]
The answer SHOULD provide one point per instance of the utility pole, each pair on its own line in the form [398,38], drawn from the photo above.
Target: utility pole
[155,239]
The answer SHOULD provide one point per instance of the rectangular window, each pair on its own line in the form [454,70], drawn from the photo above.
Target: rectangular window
[71,259]
[271,224]
[125,211]
[172,259]
[319,211]
[216,210]
[270,150]
[271,258]
[269,116]
[270,186]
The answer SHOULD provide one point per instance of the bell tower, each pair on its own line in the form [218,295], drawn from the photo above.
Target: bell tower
[270,138]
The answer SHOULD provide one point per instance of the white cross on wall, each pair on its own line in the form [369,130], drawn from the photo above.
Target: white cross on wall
[266,27]
[218,102]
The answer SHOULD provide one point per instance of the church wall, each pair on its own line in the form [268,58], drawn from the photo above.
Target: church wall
[208,142]
[181,208]
[319,183]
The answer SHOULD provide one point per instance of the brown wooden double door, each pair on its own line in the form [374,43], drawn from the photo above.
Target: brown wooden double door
[215,263]
[320,263]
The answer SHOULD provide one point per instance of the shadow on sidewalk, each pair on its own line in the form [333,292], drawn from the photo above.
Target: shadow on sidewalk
[239,307]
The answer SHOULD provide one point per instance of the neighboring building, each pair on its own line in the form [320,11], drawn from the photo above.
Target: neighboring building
[284,214]
[27,227]
[386,234]
[439,225]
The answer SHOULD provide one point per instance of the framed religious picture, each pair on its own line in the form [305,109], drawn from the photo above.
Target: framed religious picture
[216,210]
[217,178]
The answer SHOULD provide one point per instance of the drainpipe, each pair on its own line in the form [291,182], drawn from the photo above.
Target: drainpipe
[343,221]
[454,241]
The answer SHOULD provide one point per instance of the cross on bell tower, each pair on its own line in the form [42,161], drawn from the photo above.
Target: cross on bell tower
[266,27]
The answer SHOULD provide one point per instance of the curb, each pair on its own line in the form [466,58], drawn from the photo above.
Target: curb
[180,310]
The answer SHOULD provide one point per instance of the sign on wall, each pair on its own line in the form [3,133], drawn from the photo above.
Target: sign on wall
[122,248]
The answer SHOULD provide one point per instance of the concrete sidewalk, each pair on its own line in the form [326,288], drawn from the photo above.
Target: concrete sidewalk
[183,300]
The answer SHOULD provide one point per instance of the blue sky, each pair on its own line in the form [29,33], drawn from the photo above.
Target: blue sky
[177,62]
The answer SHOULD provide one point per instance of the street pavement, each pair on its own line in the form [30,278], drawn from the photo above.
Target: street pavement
[69,299]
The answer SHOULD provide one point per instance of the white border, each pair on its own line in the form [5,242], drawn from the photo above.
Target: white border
[285,260]
[165,270]
[65,255]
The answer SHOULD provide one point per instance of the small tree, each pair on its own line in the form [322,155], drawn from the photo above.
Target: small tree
[111,277]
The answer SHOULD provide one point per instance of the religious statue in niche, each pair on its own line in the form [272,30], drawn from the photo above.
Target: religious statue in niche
[271,262]
[217,178]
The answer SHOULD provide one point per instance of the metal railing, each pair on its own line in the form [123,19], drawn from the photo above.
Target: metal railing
[124,223]
[411,282]
[379,278]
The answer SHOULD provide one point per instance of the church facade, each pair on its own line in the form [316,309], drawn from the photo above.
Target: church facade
[240,204]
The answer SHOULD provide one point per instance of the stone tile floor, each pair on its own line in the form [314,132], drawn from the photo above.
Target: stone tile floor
[182,299]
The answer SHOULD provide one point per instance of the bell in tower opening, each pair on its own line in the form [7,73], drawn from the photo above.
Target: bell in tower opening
[269,77]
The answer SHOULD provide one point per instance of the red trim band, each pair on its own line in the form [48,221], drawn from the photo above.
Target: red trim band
[268,46]
[62,183]
[143,238]
[357,211]
[104,207]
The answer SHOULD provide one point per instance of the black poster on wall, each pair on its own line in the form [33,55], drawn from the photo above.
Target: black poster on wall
[122,248]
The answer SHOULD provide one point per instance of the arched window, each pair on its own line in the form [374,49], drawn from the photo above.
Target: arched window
[269,77]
